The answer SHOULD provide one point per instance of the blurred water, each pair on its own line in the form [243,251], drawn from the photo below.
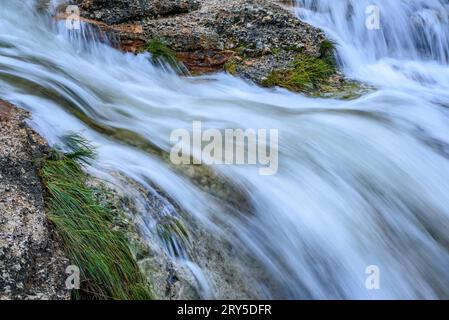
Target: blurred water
[361,182]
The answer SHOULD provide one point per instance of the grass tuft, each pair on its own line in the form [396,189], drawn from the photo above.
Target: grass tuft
[108,268]
[327,52]
[327,47]
[80,149]
[307,73]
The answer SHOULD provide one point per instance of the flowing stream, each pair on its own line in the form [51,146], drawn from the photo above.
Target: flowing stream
[360,183]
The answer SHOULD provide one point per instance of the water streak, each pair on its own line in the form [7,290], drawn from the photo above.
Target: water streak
[360,182]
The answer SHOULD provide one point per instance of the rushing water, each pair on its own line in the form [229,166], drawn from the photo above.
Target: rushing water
[360,183]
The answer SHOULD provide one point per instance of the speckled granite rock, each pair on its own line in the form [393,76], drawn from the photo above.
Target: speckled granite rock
[32,264]
[257,35]
[248,38]
[119,11]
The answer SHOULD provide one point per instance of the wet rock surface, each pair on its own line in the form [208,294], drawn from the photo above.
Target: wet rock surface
[168,280]
[32,263]
[185,261]
[248,38]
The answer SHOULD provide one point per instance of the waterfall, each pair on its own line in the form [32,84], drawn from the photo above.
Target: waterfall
[360,183]
[406,29]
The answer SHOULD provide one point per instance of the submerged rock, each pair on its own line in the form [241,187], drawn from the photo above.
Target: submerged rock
[32,263]
[186,260]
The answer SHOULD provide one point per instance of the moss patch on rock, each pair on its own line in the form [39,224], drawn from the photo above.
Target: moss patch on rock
[231,67]
[159,50]
[348,90]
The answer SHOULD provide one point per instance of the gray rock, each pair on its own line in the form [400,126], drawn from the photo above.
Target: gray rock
[119,11]
[32,263]
[255,36]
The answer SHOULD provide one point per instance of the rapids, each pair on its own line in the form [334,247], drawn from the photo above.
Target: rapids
[360,183]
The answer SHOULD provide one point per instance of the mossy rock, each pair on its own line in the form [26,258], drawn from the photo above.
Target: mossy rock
[160,51]
[306,74]
[348,90]
[231,67]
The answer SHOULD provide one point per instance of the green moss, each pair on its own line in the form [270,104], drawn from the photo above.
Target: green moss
[160,50]
[306,74]
[108,268]
[231,67]
[296,48]
[247,50]
[349,90]
[276,51]
[240,50]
